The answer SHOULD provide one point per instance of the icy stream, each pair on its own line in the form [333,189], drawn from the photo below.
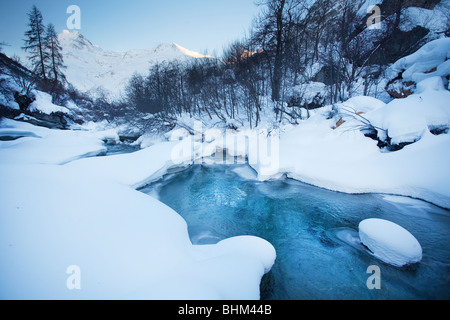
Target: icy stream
[314,232]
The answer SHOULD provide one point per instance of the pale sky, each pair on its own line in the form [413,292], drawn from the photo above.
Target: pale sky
[198,25]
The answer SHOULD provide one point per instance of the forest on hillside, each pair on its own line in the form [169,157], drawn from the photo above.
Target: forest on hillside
[299,55]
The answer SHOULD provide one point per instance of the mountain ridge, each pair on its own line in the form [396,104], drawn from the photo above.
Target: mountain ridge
[105,73]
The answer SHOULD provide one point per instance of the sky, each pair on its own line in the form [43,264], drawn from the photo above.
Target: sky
[205,26]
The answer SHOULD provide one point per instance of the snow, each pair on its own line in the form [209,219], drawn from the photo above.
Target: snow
[245,172]
[45,146]
[190,53]
[308,93]
[389,242]
[59,208]
[43,103]
[368,4]
[87,213]
[135,169]
[6,95]
[430,85]
[435,20]
[11,128]
[407,202]
[407,120]
[420,65]
[105,74]
[363,104]
[127,245]
[345,160]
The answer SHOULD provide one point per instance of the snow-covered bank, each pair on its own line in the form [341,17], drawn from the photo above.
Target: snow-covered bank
[127,245]
[40,145]
[346,161]
[134,170]
[343,159]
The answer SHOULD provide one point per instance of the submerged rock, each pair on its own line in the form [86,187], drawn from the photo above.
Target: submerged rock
[389,242]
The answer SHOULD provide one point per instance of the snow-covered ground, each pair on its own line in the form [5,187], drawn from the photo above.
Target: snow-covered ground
[59,212]
[85,214]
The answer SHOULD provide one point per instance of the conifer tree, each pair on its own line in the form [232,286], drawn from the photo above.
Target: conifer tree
[53,49]
[34,43]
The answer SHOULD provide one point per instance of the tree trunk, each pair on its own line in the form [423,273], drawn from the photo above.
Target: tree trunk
[41,53]
[278,64]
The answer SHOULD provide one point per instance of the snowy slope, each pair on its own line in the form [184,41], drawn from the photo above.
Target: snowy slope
[90,67]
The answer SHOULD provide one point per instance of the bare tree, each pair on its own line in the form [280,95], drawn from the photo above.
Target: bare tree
[272,32]
[24,82]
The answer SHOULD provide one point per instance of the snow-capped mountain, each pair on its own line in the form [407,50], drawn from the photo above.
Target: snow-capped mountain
[98,72]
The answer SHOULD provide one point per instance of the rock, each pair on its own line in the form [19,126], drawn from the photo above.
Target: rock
[399,89]
[389,242]
[52,121]
[23,101]
[309,96]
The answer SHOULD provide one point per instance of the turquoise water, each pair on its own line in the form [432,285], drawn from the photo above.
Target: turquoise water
[313,231]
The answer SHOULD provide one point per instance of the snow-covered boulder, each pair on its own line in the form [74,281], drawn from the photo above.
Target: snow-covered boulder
[363,104]
[43,103]
[178,134]
[389,242]
[432,60]
[349,112]
[407,120]
[310,95]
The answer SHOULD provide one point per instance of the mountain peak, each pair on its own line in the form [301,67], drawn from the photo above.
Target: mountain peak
[71,34]
[92,69]
[189,52]
[75,39]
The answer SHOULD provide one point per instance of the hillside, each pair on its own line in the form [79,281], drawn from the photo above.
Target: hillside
[99,72]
